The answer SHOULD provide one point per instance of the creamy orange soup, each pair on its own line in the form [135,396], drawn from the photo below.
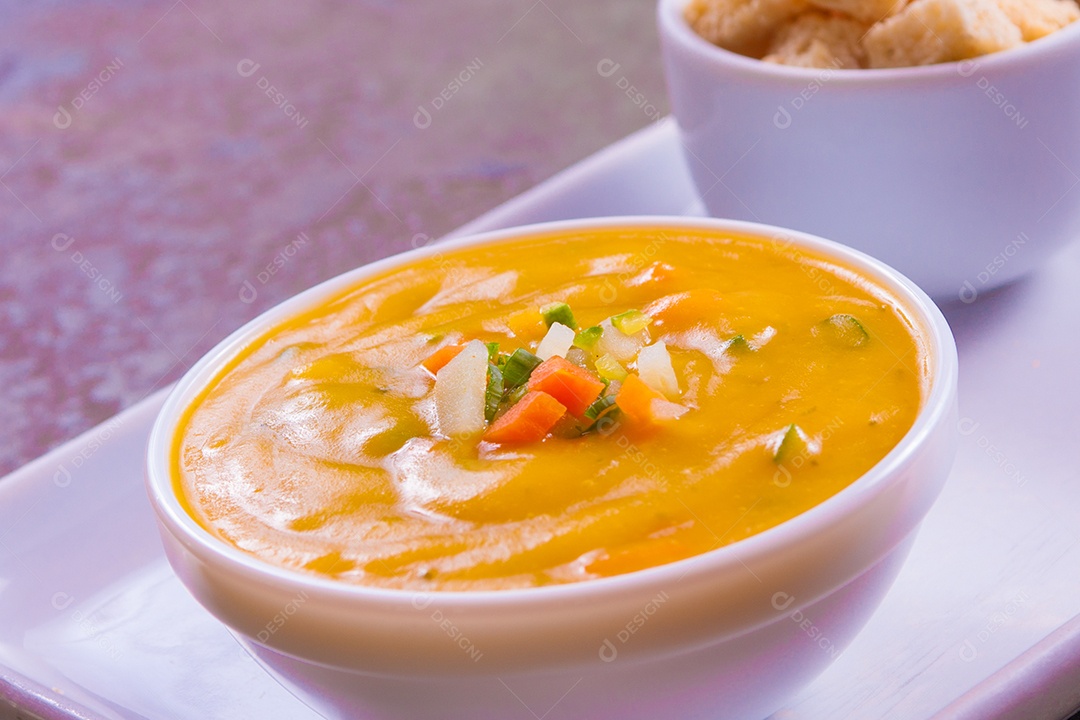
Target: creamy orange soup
[724,385]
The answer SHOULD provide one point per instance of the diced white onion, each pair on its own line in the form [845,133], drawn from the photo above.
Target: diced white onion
[654,367]
[558,340]
[460,387]
[618,344]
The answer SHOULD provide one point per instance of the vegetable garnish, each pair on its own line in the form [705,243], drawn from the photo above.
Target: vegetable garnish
[529,420]
[574,387]
[572,379]
[518,367]
[558,312]
[494,394]
[631,321]
[587,338]
[557,342]
[843,330]
[609,368]
[597,409]
[793,442]
[440,357]
[646,405]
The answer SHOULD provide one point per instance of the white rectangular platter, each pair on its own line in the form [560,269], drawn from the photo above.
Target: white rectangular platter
[980,623]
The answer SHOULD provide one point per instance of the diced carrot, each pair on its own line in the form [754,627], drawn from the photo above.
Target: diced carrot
[642,403]
[529,420]
[686,309]
[440,357]
[576,388]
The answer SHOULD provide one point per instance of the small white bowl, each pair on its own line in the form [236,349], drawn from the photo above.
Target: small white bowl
[962,175]
[731,633]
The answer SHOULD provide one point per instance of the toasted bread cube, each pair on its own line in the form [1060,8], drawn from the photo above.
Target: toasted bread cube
[936,31]
[742,26]
[1037,18]
[819,40]
[869,11]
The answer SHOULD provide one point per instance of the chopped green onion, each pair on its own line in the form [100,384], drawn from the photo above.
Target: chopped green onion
[597,408]
[609,368]
[605,421]
[432,339]
[493,351]
[740,344]
[843,330]
[494,393]
[791,444]
[519,367]
[558,312]
[587,338]
[631,322]
[516,394]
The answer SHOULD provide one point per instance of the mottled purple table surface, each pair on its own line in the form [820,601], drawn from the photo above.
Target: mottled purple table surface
[171,168]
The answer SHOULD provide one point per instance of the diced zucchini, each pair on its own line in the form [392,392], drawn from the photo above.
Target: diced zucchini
[587,338]
[631,321]
[558,312]
[609,368]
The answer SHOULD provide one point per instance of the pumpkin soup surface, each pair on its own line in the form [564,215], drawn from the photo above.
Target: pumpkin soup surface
[551,409]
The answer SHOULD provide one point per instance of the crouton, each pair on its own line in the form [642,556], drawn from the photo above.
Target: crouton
[935,31]
[819,40]
[1037,18]
[742,26]
[868,11]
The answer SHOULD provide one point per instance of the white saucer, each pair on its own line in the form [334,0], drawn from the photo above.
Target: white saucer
[94,625]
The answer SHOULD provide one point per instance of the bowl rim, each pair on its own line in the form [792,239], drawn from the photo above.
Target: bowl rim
[942,374]
[672,25]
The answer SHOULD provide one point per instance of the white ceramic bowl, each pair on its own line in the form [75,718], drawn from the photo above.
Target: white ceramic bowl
[731,633]
[962,175]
